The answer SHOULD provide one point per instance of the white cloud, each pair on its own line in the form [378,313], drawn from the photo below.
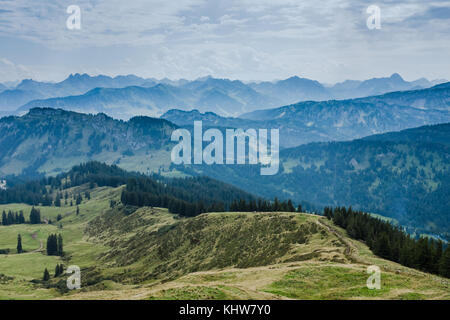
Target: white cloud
[102,23]
[11,71]
[251,39]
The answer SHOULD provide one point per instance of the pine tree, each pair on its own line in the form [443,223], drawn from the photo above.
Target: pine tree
[79,199]
[21,217]
[382,246]
[10,218]
[58,200]
[59,270]
[423,255]
[60,245]
[19,244]
[444,263]
[290,206]
[52,245]
[276,205]
[438,251]
[4,219]
[46,276]
[35,216]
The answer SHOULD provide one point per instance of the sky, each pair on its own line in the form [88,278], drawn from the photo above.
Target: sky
[326,40]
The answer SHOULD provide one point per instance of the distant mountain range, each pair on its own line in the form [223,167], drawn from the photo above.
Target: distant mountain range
[377,86]
[331,120]
[76,84]
[127,96]
[223,96]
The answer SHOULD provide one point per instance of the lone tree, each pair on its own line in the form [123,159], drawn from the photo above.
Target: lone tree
[19,244]
[46,276]
[79,199]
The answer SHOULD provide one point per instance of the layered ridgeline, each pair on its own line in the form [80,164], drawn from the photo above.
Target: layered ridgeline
[403,175]
[221,95]
[52,141]
[76,84]
[143,252]
[332,120]
[126,96]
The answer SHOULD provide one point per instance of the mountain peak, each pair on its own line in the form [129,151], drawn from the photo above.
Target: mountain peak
[26,82]
[78,75]
[292,79]
[396,77]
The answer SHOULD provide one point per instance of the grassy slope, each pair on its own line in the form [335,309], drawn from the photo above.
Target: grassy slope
[151,254]
[30,265]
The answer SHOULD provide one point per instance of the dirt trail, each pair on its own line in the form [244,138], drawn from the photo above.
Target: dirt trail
[41,246]
[350,248]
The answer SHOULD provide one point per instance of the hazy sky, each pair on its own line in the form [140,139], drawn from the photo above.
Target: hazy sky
[326,40]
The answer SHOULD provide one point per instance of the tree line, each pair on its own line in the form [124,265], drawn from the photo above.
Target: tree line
[262,205]
[392,242]
[11,218]
[184,196]
[39,192]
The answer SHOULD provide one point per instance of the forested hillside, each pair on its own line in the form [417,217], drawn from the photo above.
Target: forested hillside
[400,175]
[52,141]
[185,196]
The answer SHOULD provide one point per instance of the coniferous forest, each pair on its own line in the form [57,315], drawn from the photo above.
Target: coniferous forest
[185,196]
[392,242]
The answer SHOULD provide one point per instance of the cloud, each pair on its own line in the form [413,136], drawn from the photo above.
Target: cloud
[102,22]
[11,71]
[251,39]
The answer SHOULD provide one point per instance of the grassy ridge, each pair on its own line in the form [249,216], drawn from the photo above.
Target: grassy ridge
[148,253]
